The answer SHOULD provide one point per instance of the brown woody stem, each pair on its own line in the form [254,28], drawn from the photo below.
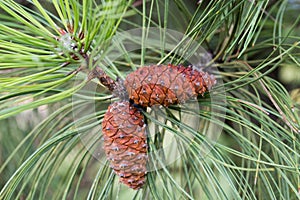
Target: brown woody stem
[104,79]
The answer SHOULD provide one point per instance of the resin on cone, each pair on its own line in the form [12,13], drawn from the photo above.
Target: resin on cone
[166,84]
[125,143]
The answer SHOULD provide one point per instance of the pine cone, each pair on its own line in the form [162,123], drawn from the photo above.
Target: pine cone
[166,84]
[125,143]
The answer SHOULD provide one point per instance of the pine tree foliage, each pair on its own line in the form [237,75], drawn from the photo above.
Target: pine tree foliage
[50,135]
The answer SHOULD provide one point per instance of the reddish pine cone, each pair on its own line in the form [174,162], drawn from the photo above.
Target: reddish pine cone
[166,84]
[125,143]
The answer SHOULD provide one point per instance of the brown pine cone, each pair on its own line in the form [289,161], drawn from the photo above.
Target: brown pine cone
[125,143]
[166,84]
